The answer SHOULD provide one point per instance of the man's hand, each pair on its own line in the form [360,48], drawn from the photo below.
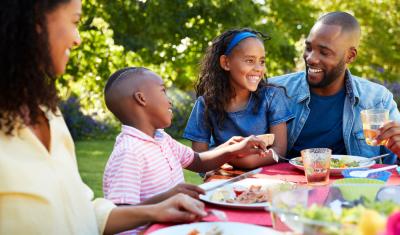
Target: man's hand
[390,132]
[179,208]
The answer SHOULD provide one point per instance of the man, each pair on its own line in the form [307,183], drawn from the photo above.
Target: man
[327,98]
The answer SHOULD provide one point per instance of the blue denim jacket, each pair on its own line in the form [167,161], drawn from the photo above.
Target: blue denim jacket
[360,94]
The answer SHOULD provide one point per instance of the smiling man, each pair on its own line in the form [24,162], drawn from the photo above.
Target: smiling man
[327,98]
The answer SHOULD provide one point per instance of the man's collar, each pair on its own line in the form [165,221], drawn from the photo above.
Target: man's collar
[129,130]
[350,92]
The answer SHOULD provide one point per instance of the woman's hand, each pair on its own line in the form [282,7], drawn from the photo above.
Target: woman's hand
[179,208]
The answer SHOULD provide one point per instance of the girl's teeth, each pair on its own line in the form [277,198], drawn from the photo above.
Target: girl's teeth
[254,78]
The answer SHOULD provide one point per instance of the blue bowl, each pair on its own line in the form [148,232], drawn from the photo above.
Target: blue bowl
[381,175]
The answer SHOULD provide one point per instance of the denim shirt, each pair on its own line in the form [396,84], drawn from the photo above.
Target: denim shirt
[360,94]
[273,109]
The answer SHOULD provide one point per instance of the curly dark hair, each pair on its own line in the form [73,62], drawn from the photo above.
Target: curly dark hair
[27,78]
[213,79]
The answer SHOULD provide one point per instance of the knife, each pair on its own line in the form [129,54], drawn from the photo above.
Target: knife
[373,158]
[234,179]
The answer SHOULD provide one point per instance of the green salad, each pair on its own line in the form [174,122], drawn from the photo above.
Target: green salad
[348,219]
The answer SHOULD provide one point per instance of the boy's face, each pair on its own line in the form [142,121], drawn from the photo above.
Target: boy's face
[158,105]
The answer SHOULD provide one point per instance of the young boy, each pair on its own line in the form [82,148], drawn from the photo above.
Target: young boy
[146,163]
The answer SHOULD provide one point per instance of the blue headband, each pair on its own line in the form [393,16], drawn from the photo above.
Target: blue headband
[238,38]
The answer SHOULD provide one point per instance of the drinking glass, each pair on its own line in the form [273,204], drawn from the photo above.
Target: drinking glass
[372,120]
[316,163]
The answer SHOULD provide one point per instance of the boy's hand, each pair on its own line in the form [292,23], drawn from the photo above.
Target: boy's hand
[179,208]
[188,189]
[232,140]
[248,146]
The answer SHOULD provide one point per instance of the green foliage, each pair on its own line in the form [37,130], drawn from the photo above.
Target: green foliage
[182,106]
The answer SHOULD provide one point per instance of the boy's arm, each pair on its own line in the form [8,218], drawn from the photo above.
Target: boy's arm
[199,146]
[213,159]
[280,145]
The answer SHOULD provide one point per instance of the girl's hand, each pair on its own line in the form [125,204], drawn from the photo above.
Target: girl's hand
[248,146]
[179,208]
[188,189]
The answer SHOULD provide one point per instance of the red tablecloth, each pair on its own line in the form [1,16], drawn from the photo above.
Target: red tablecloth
[281,171]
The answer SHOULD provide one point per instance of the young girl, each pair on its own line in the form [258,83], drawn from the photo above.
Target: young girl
[234,99]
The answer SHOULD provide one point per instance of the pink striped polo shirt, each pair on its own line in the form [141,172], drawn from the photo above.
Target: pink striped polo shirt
[141,166]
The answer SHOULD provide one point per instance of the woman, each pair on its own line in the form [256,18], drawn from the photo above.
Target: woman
[40,187]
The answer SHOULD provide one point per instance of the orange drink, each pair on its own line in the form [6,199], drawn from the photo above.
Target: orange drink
[316,165]
[372,120]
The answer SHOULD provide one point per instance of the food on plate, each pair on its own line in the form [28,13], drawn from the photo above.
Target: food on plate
[241,195]
[343,162]
[213,231]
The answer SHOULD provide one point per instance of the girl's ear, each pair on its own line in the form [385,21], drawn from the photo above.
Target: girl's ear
[224,62]
[139,97]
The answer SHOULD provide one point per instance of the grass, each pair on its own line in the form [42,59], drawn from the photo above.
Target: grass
[92,157]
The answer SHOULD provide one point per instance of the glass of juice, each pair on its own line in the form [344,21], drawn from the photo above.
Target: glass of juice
[316,165]
[372,120]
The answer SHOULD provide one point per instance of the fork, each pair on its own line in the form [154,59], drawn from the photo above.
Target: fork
[218,213]
[276,156]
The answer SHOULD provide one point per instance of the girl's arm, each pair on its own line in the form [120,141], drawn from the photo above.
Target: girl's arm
[280,145]
[180,208]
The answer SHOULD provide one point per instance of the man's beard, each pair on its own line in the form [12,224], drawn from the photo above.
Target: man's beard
[330,77]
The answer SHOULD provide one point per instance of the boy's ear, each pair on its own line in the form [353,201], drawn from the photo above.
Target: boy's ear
[224,62]
[139,97]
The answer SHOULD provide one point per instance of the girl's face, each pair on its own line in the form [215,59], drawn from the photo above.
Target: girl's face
[246,64]
[62,27]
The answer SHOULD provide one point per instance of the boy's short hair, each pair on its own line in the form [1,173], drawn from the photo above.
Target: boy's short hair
[112,96]
[121,75]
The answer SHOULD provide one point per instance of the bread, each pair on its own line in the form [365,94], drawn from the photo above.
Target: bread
[267,138]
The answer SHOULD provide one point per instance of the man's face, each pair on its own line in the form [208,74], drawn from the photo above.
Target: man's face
[324,55]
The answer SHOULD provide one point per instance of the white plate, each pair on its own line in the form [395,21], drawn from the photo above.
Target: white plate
[338,171]
[246,183]
[229,228]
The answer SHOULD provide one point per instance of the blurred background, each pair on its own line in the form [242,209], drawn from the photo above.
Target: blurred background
[170,37]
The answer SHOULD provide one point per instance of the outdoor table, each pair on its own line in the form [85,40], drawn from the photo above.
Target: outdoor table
[281,171]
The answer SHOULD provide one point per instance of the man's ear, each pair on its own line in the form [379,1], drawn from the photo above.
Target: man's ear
[139,97]
[224,62]
[351,56]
